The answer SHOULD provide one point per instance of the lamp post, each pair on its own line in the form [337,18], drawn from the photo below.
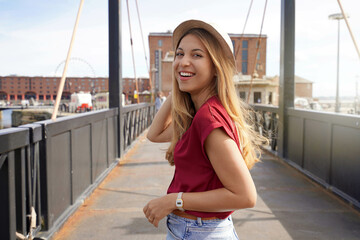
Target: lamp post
[338,17]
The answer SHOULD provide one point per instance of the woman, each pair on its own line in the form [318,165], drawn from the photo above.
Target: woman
[212,146]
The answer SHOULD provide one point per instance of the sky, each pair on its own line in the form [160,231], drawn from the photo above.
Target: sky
[35,36]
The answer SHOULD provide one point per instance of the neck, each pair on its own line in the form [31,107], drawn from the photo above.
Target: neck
[200,99]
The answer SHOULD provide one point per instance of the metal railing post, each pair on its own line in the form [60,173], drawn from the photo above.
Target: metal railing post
[115,72]
[287,66]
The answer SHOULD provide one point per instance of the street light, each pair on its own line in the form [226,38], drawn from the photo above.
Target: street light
[338,17]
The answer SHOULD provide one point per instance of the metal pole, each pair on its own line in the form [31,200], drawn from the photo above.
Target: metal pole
[62,81]
[115,72]
[349,28]
[337,103]
[287,70]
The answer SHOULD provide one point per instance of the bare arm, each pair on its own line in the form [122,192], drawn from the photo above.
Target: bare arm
[238,192]
[161,127]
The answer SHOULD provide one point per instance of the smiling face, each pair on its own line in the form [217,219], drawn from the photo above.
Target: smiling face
[193,67]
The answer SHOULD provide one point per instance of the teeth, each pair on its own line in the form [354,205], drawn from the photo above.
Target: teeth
[185,74]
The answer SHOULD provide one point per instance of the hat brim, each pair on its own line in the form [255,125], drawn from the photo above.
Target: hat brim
[222,37]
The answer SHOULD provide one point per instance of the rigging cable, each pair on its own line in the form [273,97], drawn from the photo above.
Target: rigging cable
[242,34]
[146,60]
[348,26]
[257,51]
[62,81]
[132,52]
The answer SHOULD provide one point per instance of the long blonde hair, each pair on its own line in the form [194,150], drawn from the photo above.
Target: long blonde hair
[183,109]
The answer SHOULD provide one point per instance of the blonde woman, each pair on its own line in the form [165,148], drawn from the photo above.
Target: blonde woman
[212,145]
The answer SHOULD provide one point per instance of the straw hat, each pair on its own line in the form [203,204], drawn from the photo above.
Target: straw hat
[222,37]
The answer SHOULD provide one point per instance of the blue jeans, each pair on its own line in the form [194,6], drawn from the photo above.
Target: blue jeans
[182,228]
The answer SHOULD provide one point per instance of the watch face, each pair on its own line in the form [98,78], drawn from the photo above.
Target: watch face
[179,202]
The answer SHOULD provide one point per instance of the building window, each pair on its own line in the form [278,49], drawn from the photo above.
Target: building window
[257,43]
[245,43]
[270,97]
[19,97]
[258,66]
[244,55]
[243,95]
[257,97]
[48,97]
[41,97]
[12,97]
[160,43]
[233,43]
[244,67]
[258,56]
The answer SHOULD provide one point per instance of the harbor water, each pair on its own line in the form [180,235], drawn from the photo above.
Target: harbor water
[5,118]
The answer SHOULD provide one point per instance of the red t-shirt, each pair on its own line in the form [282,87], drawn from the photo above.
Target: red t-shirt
[193,169]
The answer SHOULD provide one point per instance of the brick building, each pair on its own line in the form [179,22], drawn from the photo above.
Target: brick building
[17,88]
[162,55]
[44,89]
[144,90]
[303,88]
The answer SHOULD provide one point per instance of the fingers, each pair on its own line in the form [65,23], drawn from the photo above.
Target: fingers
[148,214]
[153,220]
[156,223]
[151,217]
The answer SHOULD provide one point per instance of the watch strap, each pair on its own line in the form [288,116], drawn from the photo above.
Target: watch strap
[180,202]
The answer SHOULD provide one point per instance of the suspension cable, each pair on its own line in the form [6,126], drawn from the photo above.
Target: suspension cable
[257,51]
[242,34]
[146,59]
[62,81]
[132,53]
[349,28]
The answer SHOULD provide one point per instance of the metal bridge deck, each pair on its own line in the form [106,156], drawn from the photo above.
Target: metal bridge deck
[289,205]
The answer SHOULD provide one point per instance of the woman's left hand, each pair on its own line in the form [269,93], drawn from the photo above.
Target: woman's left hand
[158,208]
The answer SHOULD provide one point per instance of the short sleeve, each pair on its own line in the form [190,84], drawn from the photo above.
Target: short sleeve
[210,118]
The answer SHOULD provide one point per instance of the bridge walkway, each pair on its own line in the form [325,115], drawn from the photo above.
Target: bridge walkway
[289,206]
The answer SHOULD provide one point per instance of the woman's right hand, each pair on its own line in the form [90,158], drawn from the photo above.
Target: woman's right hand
[161,128]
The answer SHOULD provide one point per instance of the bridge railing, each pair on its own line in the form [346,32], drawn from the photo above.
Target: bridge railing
[266,118]
[323,146]
[137,118]
[52,166]
[20,181]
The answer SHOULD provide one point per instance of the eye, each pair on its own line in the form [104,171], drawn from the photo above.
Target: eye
[197,55]
[178,54]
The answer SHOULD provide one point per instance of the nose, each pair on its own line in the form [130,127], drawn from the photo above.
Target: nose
[184,61]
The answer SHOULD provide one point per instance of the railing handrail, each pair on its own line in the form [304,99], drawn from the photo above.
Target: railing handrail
[132,107]
[334,118]
[13,138]
[100,114]
[265,108]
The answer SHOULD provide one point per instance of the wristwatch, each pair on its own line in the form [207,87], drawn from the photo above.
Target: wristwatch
[180,202]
